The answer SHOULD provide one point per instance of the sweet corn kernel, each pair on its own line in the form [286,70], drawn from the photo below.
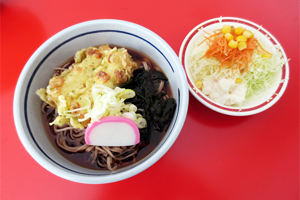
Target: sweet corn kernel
[238,81]
[226,29]
[233,44]
[248,34]
[267,55]
[228,36]
[199,84]
[242,46]
[241,38]
[239,30]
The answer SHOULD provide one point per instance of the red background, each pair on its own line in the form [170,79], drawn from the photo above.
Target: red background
[214,157]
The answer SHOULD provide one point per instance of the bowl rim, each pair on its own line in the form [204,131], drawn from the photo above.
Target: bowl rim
[229,110]
[112,177]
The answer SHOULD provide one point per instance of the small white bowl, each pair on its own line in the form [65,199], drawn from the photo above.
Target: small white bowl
[54,52]
[251,107]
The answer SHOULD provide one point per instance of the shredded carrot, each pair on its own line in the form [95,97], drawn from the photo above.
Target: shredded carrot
[219,49]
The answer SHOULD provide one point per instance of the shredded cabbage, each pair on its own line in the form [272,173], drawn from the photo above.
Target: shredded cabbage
[109,102]
[263,72]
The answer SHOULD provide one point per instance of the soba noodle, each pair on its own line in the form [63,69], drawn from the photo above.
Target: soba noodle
[106,157]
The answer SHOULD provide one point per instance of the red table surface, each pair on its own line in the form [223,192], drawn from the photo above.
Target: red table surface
[215,156]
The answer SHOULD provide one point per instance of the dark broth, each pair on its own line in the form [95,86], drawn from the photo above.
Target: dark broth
[83,158]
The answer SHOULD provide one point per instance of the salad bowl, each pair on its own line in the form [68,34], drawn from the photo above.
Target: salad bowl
[255,105]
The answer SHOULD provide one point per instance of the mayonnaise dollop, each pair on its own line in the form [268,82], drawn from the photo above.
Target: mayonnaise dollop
[224,91]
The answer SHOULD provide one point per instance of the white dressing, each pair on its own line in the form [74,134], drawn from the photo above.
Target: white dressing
[224,91]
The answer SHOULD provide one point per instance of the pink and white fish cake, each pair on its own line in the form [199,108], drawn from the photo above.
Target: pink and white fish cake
[112,131]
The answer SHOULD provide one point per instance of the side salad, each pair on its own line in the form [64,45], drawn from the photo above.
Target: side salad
[231,66]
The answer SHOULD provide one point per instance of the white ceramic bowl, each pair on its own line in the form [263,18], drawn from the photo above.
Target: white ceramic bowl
[55,51]
[251,107]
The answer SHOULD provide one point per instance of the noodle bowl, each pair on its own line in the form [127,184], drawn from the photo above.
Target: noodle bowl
[39,69]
